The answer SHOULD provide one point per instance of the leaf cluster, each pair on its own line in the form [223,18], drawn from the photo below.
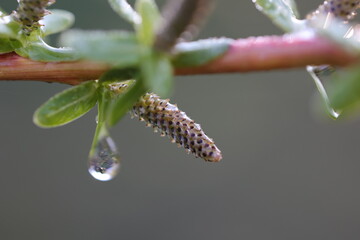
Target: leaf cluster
[131,56]
[14,39]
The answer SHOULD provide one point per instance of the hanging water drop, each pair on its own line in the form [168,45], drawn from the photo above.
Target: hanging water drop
[321,74]
[104,162]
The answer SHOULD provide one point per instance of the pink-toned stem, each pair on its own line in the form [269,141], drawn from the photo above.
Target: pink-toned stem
[244,55]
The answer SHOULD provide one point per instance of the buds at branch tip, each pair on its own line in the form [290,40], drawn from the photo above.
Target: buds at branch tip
[30,12]
[343,9]
[169,120]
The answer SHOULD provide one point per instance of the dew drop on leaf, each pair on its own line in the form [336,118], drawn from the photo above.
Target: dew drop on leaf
[104,162]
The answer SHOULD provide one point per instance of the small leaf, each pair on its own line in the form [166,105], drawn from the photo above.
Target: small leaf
[6,45]
[117,48]
[113,84]
[282,12]
[150,16]
[200,52]
[57,21]
[67,106]
[10,28]
[121,105]
[108,94]
[346,90]
[10,39]
[157,73]
[124,9]
[40,51]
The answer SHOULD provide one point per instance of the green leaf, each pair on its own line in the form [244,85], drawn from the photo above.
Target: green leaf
[10,37]
[67,106]
[40,51]
[345,93]
[57,21]
[157,72]
[121,105]
[124,9]
[282,12]
[6,45]
[150,16]
[200,52]
[10,28]
[117,48]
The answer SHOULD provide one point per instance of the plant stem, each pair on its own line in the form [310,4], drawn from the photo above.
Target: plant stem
[244,55]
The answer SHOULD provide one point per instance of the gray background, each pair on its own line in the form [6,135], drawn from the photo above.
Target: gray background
[286,173]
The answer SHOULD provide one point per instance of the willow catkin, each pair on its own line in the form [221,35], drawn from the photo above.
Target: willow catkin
[343,9]
[30,12]
[170,121]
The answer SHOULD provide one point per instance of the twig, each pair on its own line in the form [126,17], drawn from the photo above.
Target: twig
[244,55]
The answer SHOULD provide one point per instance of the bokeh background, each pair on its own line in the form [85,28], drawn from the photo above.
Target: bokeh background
[286,173]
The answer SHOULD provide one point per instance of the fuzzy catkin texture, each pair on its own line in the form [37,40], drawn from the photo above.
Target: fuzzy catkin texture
[30,12]
[343,9]
[169,120]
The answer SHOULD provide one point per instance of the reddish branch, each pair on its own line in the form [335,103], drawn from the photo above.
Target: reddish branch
[244,55]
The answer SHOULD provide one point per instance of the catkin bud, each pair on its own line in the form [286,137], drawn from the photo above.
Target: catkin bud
[30,12]
[170,121]
[343,9]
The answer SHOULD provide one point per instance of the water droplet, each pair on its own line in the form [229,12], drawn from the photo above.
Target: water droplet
[321,74]
[104,163]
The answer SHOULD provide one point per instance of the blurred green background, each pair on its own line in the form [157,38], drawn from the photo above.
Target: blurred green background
[286,173]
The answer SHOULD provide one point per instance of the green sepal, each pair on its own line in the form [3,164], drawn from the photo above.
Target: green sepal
[121,105]
[150,16]
[40,51]
[118,48]
[124,10]
[57,21]
[283,13]
[157,73]
[67,106]
[200,52]
[345,94]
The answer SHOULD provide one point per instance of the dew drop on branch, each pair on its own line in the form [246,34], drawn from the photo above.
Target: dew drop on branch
[104,163]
